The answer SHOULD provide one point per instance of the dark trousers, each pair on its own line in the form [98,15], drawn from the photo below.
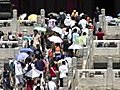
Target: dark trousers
[61,82]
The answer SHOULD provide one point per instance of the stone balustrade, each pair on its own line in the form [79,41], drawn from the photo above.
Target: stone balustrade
[97,79]
[17,26]
[9,52]
[109,47]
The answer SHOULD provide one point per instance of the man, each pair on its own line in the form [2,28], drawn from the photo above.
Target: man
[75,35]
[18,73]
[63,70]
[51,85]
[82,39]
[83,22]
[36,38]
[100,34]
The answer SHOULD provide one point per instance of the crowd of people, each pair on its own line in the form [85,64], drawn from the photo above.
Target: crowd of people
[49,59]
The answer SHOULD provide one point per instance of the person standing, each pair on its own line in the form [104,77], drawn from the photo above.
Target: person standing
[36,38]
[96,19]
[29,83]
[63,70]
[51,85]
[100,34]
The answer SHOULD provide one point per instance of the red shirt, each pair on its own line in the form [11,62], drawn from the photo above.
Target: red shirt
[100,35]
[53,71]
[30,84]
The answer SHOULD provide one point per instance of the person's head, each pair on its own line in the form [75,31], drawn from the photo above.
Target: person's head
[50,79]
[56,23]
[10,33]
[37,46]
[31,42]
[51,16]
[57,44]
[67,29]
[74,11]
[52,64]
[97,8]
[63,62]
[29,79]
[40,76]
[38,81]
[84,33]
[99,29]
[29,59]
[75,30]
[28,52]
[35,31]
[73,18]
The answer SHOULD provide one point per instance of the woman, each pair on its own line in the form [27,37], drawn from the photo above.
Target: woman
[29,84]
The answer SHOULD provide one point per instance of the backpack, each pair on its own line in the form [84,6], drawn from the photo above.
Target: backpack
[38,88]
[29,67]
[12,68]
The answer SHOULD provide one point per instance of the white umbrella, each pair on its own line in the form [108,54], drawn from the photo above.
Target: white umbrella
[33,73]
[55,39]
[57,29]
[75,46]
[23,16]
[21,56]
[53,13]
[118,14]
[42,29]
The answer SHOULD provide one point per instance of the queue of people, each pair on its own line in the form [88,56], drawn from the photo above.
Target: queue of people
[46,62]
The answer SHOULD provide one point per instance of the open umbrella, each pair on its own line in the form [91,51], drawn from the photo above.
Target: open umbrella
[28,38]
[57,29]
[54,14]
[21,56]
[118,14]
[26,50]
[23,16]
[55,39]
[33,73]
[42,29]
[75,46]
[32,17]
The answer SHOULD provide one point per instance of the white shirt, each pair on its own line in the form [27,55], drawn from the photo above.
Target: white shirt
[18,68]
[78,29]
[11,37]
[74,37]
[63,70]
[51,85]
[51,23]
[67,21]
[69,60]
[86,30]
[41,87]
[83,22]
[72,23]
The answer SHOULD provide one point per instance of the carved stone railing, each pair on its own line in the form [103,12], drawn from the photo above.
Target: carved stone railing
[97,78]
[106,47]
[17,26]
[9,52]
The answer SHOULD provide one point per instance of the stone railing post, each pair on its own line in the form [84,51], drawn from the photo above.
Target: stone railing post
[110,74]
[74,62]
[39,19]
[103,19]
[42,13]
[14,24]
